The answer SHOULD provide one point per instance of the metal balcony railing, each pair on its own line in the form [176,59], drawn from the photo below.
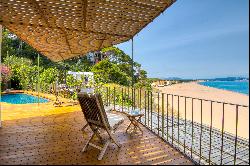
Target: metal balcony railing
[179,120]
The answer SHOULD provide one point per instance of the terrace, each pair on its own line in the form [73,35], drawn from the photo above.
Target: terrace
[58,139]
[169,137]
[172,133]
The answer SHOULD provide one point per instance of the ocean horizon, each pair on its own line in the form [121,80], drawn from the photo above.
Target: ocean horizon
[234,86]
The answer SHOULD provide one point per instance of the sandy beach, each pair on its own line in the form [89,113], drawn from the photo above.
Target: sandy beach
[195,90]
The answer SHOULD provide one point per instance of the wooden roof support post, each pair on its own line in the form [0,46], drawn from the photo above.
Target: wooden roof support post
[132,72]
[1,37]
[38,87]
[132,65]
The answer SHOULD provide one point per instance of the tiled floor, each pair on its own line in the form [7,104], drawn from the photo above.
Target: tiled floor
[58,139]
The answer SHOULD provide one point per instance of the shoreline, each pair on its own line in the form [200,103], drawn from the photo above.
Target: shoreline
[197,91]
[221,88]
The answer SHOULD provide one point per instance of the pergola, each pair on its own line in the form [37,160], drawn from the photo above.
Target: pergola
[63,29]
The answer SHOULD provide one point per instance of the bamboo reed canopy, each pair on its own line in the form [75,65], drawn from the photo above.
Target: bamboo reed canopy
[62,29]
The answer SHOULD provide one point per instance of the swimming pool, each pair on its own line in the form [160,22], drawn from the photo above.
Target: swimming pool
[20,98]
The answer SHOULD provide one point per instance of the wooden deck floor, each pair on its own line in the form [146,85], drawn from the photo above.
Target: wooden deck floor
[58,139]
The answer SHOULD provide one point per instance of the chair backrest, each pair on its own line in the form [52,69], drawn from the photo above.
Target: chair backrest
[93,110]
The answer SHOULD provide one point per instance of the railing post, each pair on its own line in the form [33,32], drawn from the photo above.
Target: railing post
[185,124]
[201,127]
[114,98]
[173,119]
[178,130]
[162,116]
[236,134]
[158,112]
[222,134]
[122,100]
[145,104]
[210,138]
[132,96]
[167,117]
[148,107]
[140,100]
[128,99]
[151,110]
[107,96]
[192,127]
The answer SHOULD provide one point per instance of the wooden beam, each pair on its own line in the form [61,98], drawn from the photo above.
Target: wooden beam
[144,5]
[102,42]
[87,31]
[44,15]
[84,14]
[40,11]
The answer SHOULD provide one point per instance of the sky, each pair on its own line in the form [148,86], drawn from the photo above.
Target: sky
[195,39]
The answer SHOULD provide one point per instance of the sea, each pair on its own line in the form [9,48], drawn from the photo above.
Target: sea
[235,86]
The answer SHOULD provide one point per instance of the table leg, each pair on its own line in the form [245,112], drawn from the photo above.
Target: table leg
[129,125]
[135,123]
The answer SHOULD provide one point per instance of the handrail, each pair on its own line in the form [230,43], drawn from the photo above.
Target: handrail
[214,101]
[195,139]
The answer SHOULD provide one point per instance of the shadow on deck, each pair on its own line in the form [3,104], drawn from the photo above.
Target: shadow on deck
[58,139]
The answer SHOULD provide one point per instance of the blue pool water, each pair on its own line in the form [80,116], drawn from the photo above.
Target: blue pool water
[235,86]
[20,98]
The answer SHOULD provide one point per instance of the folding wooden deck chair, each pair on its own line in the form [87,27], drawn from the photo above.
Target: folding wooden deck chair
[98,120]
